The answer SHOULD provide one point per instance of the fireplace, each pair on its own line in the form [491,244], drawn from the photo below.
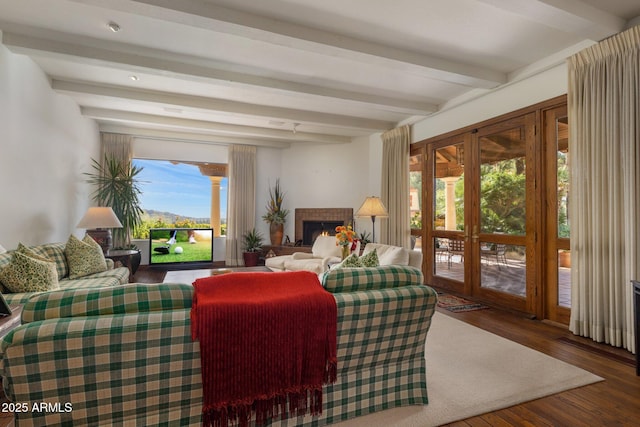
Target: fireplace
[313,229]
[311,222]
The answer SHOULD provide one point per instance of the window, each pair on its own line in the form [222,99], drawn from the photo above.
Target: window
[182,195]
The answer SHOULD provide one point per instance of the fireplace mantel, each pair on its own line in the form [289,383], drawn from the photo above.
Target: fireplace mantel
[321,214]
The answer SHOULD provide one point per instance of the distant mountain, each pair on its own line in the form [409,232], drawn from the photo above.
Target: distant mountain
[170,217]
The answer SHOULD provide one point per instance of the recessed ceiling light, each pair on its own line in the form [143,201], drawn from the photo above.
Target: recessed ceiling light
[134,78]
[113,27]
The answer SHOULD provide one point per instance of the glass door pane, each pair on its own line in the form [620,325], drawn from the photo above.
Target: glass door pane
[563,190]
[504,268]
[448,220]
[416,165]
[449,188]
[503,209]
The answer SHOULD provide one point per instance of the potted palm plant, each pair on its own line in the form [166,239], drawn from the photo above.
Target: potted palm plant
[117,185]
[251,244]
[276,216]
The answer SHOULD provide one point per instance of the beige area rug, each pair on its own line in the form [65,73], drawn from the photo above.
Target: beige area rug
[471,371]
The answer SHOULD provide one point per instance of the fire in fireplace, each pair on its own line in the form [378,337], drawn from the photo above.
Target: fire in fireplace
[313,229]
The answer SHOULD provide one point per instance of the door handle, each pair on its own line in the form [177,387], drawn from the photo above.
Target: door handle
[475,235]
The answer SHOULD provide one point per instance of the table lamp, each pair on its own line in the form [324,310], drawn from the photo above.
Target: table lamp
[98,221]
[373,207]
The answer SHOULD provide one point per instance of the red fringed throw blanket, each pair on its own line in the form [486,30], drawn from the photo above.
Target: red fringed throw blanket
[267,345]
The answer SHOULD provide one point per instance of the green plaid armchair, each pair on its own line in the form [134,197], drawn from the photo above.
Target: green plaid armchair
[124,356]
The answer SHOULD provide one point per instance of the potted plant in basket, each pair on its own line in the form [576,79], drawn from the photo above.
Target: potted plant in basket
[276,216]
[252,244]
[116,185]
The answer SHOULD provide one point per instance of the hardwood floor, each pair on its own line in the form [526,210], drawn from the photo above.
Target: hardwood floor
[613,402]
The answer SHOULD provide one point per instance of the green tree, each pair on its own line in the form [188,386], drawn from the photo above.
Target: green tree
[563,195]
[503,201]
[117,185]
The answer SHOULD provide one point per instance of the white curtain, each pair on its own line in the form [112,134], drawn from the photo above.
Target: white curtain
[604,120]
[116,145]
[395,230]
[242,200]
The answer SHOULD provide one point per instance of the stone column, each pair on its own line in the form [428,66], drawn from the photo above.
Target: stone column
[215,172]
[450,222]
[215,204]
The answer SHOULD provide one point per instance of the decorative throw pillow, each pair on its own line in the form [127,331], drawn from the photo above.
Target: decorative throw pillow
[84,257]
[393,255]
[370,259]
[27,274]
[351,261]
[31,253]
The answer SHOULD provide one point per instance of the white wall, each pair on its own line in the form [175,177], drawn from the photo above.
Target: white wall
[45,146]
[511,97]
[268,169]
[330,176]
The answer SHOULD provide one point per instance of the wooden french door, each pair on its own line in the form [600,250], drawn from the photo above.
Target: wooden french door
[557,280]
[490,210]
[483,224]
[504,216]
[445,224]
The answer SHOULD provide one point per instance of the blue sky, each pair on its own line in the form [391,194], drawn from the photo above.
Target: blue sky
[180,189]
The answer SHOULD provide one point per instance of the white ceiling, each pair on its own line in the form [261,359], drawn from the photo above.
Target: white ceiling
[252,72]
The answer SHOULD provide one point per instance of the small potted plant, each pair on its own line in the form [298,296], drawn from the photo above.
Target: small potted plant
[364,237]
[252,245]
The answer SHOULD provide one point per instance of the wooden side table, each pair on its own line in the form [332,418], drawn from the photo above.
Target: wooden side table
[123,256]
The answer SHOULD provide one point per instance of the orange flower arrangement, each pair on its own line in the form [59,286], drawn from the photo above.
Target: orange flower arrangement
[345,238]
[345,235]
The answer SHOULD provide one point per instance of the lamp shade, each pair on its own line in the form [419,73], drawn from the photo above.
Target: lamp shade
[373,206]
[2,250]
[99,217]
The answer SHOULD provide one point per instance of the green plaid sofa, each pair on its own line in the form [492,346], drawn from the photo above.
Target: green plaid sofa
[124,355]
[55,251]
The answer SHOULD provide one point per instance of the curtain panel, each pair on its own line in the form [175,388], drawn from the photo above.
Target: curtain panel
[604,142]
[116,145]
[395,187]
[242,200]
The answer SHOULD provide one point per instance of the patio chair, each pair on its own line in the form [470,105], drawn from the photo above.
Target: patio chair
[456,247]
[498,251]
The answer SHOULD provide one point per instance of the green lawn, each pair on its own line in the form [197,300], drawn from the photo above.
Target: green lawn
[199,251]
